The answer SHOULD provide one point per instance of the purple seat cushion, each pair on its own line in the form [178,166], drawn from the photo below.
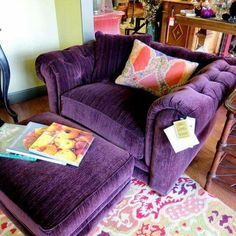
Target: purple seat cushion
[61,200]
[115,112]
[112,52]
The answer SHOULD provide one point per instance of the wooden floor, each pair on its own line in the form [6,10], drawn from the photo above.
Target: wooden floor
[198,168]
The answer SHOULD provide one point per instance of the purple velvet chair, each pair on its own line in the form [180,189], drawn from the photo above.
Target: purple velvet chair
[80,83]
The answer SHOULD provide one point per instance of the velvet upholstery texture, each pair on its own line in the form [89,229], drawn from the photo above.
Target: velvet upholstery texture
[112,52]
[51,199]
[79,61]
[211,83]
[123,123]
[199,99]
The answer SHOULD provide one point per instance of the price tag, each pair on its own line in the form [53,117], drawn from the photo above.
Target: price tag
[181,128]
[171,21]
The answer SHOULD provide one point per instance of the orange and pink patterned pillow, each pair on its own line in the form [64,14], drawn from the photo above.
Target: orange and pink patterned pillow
[154,71]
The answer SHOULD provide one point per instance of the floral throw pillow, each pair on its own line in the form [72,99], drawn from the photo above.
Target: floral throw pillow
[154,71]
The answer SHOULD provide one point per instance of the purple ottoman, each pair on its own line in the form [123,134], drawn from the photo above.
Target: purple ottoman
[43,198]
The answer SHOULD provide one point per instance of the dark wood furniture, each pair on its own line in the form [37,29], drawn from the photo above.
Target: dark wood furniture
[4,84]
[223,169]
[140,22]
[210,23]
[178,34]
[132,9]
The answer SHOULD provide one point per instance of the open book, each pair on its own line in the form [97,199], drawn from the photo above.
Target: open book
[28,135]
[63,143]
[8,134]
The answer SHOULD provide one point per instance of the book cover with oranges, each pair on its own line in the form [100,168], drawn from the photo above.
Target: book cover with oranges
[29,134]
[63,143]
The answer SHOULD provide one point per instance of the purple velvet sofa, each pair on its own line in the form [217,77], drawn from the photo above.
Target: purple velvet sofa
[80,84]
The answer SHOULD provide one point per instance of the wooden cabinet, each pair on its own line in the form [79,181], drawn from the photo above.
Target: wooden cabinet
[179,35]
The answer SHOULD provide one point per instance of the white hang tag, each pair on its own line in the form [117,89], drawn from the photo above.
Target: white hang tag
[180,144]
[171,21]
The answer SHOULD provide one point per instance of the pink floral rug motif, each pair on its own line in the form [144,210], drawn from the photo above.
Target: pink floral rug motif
[7,228]
[186,210]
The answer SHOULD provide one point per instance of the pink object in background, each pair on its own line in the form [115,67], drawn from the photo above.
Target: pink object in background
[108,22]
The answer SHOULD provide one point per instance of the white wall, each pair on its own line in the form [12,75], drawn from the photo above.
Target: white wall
[29,28]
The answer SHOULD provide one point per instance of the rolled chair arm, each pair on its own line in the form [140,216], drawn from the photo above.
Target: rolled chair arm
[199,99]
[65,69]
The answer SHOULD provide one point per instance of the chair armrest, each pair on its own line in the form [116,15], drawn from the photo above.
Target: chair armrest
[199,99]
[65,69]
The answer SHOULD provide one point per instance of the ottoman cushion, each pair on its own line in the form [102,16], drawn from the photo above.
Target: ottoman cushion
[51,199]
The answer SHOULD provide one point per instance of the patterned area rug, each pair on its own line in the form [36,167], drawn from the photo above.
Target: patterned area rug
[187,210]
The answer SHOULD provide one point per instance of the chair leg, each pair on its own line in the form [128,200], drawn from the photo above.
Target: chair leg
[5,72]
[222,143]
[1,122]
